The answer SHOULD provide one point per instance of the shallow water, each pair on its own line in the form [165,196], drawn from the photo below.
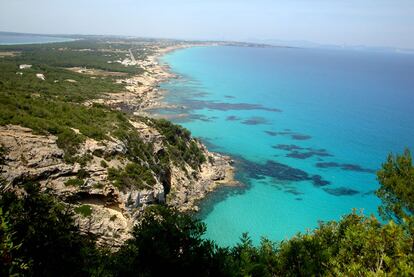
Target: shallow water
[308,129]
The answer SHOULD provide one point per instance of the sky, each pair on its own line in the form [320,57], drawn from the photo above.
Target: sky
[384,23]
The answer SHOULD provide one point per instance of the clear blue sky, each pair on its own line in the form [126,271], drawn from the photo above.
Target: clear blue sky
[351,22]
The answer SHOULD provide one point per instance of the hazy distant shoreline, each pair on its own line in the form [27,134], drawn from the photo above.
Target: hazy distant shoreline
[23,39]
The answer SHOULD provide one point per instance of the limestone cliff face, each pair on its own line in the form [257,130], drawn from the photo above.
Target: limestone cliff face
[114,210]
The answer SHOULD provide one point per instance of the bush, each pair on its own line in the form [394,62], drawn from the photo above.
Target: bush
[181,147]
[84,210]
[397,187]
[133,175]
[104,164]
[168,240]
[354,246]
[82,174]
[75,182]
[3,152]
[49,243]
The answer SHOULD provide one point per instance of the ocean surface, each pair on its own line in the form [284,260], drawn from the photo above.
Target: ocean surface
[307,128]
[12,39]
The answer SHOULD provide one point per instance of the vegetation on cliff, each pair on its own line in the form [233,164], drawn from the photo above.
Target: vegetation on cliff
[56,105]
[39,238]
[181,147]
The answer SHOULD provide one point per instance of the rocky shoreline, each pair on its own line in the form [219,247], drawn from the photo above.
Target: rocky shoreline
[142,91]
[37,158]
[143,94]
[113,210]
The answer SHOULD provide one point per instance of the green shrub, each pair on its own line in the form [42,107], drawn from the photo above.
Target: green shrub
[397,187]
[3,152]
[104,164]
[98,185]
[44,238]
[133,175]
[82,174]
[181,147]
[84,210]
[76,182]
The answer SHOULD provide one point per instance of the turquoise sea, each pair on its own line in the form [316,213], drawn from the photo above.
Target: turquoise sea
[307,128]
[13,39]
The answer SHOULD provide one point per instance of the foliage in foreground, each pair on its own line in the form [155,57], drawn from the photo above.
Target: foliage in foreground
[38,238]
[168,240]
[397,187]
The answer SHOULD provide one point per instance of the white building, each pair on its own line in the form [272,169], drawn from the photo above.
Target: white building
[40,76]
[25,66]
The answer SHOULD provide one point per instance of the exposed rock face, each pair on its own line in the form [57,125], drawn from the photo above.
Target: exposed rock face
[187,191]
[37,157]
[110,225]
[31,156]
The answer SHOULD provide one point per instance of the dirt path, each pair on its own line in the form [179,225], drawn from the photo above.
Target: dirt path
[132,56]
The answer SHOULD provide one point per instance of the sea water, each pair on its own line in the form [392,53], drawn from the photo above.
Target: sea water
[14,39]
[307,128]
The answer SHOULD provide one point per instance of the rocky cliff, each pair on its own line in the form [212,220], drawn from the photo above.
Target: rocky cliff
[82,134]
[103,207]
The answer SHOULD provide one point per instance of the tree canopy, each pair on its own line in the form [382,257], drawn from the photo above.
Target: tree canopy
[397,187]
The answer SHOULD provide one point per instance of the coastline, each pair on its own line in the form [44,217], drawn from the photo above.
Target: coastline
[10,39]
[163,73]
[227,175]
[182,185]
[142,91]
[142,96]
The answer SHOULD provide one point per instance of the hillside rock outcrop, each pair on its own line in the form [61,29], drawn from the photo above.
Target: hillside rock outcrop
[114,210]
